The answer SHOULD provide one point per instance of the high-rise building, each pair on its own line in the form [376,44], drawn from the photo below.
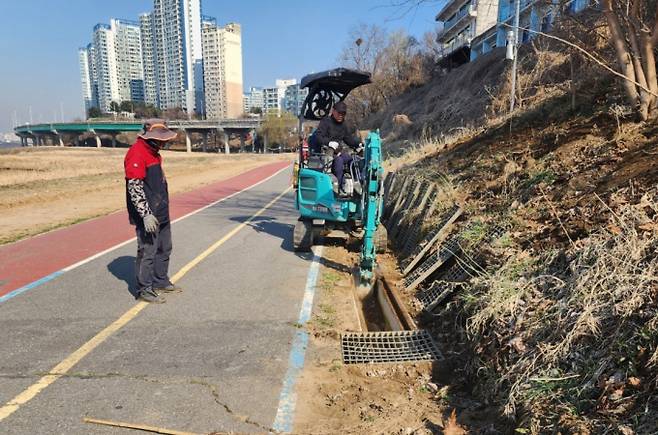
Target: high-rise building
[177,55]
[105,61]
[128,50]
[159,60]
[114,71]
[89,94]
[149,59]
[222,69]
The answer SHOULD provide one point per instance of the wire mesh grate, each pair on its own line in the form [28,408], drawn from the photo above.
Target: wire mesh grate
[397,218]
[444,219]
[422,190]
[433,262]
[388,347]
[398,199]
[390,183]
[437,292]
[446,284]
[466,266]
[413,235]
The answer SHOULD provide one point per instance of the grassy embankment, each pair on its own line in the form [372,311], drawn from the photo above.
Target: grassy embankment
[559,328]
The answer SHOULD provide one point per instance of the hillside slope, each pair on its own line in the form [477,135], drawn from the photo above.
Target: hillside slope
[560,329]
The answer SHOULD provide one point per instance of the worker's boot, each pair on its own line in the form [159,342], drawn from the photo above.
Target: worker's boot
[171,288]
[149,295]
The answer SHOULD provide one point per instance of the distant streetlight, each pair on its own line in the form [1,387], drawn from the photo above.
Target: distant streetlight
[516,54]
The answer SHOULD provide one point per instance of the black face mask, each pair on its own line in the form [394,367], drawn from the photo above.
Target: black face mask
[155,144]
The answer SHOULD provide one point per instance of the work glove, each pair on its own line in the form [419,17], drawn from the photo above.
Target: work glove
[359,149]
[151,223]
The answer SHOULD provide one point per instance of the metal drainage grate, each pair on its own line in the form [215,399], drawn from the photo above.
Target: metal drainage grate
[400,210]
[436,294]
[446,284]
[433,262]
[388,347]
[421,249]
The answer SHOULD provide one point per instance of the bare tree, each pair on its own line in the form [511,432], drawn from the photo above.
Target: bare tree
[395,60]
[633,26]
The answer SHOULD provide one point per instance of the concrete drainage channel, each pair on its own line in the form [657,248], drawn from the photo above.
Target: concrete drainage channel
[434,261]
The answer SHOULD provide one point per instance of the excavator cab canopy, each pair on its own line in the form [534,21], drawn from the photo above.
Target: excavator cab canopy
[329,87]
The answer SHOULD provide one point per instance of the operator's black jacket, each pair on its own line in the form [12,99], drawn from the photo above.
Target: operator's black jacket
[329,130]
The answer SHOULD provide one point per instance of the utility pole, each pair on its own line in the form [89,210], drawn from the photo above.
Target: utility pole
[516,52]
[61,111]
[30,109]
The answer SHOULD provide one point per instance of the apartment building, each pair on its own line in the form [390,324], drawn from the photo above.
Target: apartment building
[111,67]
[159,60]
[149,61]
[255,98]
[128,52]
[89,89]
[274,97]
[106,70]
[222,70]
[177,54]
[294,98]
[463,21]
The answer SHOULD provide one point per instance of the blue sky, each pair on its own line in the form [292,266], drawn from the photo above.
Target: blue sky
[281,39]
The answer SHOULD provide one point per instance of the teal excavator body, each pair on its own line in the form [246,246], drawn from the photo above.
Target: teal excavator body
[322,210]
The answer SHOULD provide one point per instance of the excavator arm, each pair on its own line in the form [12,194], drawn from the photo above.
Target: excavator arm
[372,206]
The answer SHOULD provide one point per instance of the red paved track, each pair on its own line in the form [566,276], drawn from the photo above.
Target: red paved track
[29,260]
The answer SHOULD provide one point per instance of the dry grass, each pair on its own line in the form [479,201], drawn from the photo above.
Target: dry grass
[429,146]
[573,331]
[44,188]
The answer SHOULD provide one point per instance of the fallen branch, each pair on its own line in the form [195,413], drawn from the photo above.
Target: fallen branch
[142,427]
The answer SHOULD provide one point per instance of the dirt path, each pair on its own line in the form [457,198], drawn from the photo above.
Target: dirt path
[45,188]
[378,398]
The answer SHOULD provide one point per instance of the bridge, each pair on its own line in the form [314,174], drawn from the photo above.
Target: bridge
[39,134]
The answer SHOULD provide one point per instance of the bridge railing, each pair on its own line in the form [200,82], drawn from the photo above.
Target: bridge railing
[132,125]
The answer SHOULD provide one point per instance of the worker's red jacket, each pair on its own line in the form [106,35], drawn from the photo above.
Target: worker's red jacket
[146,184]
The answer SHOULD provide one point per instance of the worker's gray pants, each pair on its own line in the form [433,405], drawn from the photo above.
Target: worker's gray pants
[152,262]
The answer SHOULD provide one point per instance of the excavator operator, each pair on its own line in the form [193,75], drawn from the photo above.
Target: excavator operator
[331,132]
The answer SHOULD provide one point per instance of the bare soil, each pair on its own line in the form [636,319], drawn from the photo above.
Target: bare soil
[361,399]
[48,187]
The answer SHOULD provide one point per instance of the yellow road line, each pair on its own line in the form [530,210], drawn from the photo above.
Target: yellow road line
[63,367]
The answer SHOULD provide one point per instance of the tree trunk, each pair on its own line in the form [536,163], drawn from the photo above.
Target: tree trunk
[651,76]
[645,97]
[623,56]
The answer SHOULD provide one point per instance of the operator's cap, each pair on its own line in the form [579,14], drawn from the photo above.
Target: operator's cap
[340,107]
[157,129]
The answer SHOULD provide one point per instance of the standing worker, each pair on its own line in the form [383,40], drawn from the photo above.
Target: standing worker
[147,199]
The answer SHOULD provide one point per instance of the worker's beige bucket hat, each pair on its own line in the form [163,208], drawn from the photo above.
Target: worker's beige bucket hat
[157,129]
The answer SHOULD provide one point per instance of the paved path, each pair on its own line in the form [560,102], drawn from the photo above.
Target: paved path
[26,261]
[212,358]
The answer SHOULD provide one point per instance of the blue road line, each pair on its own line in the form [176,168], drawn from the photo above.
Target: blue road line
[30,286]
[288,398]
